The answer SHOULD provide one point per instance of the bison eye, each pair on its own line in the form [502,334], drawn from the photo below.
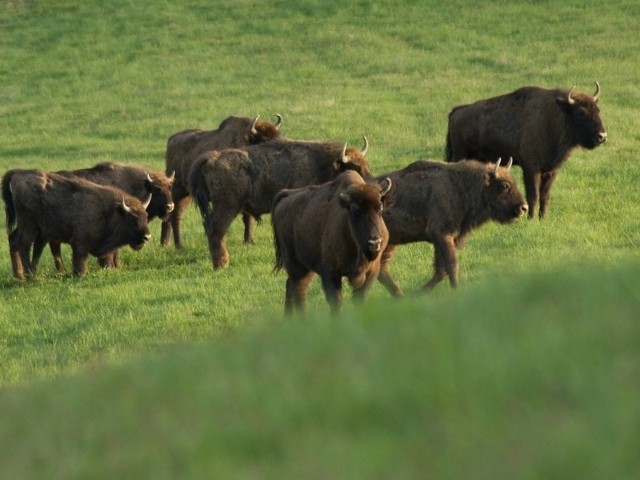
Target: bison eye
[506,187]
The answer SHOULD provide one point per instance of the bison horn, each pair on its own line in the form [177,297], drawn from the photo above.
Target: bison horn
[253,125]
[125,207]
[278,121]
[146,203]
[345,197]
[570,100]
[343,155]
[149,179]
[596,95]
[385,186]
[172,176]
[495,172]
[365,149]
[509,163]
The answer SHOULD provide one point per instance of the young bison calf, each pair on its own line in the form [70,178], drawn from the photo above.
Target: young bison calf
[441,203]
[335,230]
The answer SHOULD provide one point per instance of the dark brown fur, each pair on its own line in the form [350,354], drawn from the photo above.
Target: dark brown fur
[184,147]
[335,230]
[225,183]
[93,219]
[135,180]
[442,204]
[537,127]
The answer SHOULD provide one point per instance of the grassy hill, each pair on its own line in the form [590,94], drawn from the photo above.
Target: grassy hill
[165,368]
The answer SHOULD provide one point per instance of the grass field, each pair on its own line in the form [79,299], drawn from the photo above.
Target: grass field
[168,369]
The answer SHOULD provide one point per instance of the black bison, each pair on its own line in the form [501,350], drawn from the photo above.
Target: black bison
[135,180]
[47,207]
[535,126]
[184,147]
[225,183]
[442,204]
[334,230]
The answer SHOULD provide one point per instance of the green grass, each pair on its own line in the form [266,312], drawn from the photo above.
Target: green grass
[166,368]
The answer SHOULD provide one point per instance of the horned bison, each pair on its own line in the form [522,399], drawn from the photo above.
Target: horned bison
[225,183]
[334,230]
[537,127]
[442,203]
[92,218]
[185,146]
[135,180]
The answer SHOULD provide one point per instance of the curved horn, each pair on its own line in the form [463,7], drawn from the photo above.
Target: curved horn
[570,100]
[508,167]
[146,203]
[278,121]
[149,179]
[253,125]
[385,186]
[365,149]
[596,95]
[495,171]
[125,207]
[172,176]
[343,155]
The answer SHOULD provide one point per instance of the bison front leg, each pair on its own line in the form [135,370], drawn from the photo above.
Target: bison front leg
[384,277]
[110,260]
[545,191]
[445,263]
[79,257]
[57,256]
[532,181]
[332,286]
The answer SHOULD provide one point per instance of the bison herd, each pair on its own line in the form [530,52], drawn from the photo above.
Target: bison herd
[330,215]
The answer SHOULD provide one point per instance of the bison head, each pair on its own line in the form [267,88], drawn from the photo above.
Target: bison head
[365,206]
[261,131]
[502,194]
[353,159]
[583,118]
[135,221]
[159,187]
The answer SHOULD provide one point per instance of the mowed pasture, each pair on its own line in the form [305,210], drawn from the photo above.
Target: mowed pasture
[167,368]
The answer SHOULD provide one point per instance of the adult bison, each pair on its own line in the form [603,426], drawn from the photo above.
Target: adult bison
[442,203]
[184,147]
[225,183]
[335,230]
[93,219]
[135,180]
[537,127]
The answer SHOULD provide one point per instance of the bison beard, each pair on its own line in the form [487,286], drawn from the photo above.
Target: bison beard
[183,148]
[334,230]
[537,127]
[442,204]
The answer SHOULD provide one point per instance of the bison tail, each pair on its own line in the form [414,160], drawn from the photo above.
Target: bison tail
[7,196]
[198,187]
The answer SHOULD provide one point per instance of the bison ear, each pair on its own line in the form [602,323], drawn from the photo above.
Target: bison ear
[384,186]
[345,200]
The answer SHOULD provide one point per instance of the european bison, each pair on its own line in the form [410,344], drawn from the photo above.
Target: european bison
[93,219]
[137,181]
[537,127]
[225,183]
[184,147]
[442,203]
[335,230]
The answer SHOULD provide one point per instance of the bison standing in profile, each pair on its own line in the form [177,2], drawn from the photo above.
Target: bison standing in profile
[537,127]
[137,181]
[442,204]
[335,230]
[47,207]
[184,147]
[225,183]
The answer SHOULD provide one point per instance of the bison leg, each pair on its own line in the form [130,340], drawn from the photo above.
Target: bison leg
[110,260]
[545,191]
[445,263]
[532,182]
[38,247]
[16,257]
[57,256]
[249,224]
[296,294]
[173,225]
[384,277]
[217,224]
[79,261]
[332,286]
